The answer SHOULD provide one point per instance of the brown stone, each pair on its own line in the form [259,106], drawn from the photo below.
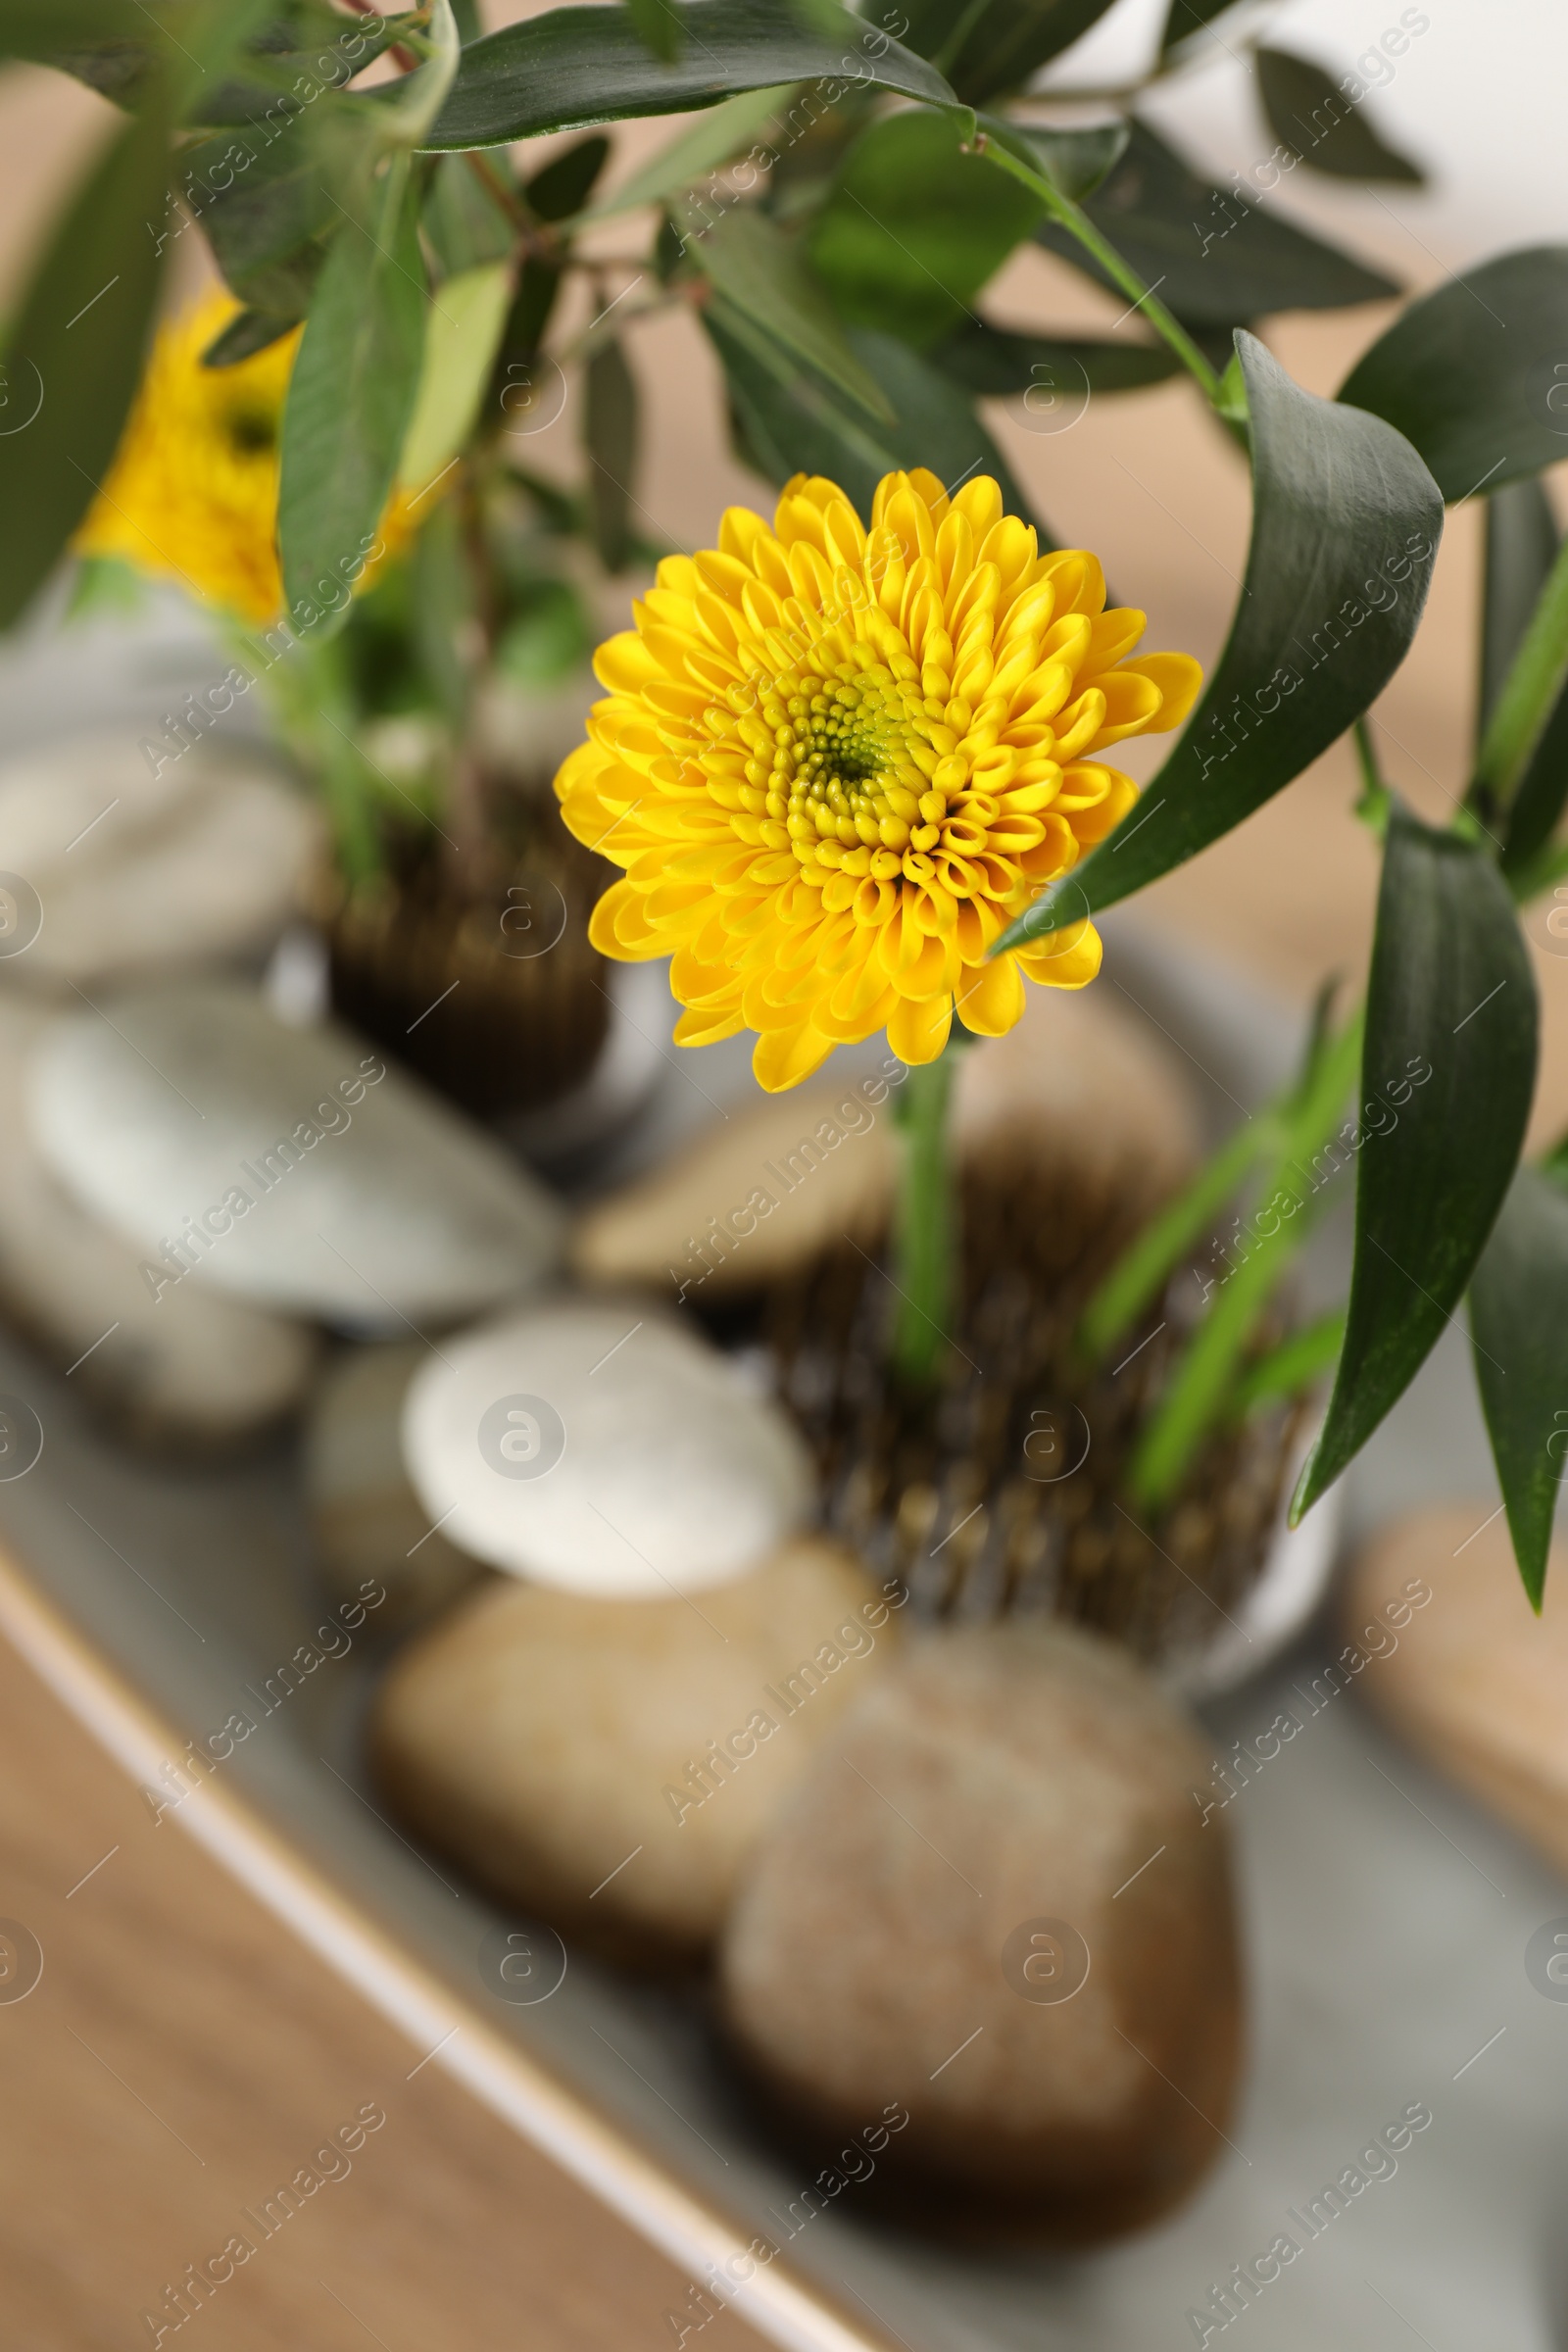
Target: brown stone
[607,1765]
[1004,1809]
[1471,1677]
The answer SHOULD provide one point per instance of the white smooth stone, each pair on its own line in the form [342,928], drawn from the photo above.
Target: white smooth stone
[602,1450]
[138,873]
[323,1181]
[190,1365]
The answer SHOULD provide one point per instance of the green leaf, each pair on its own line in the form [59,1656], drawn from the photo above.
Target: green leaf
[1521,541]
[73,352]
[580,66]
[914,225]
[762,276]
[1217,257]
[463,333]
[611,434]
[986,359]
[1345,524]
[1521,545]
[1451,1016]
[352,395]
[1076,161]
[1310,114]
[723,131]
[1518,1314]
[562,186]
[243,337]
[1299,1362]
[805,427]
[659,29]
[1476,374]
[268,211]
[1188,17]
[988,48]
[465,225]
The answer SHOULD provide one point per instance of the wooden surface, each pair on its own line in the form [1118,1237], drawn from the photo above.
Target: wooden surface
[182,2055]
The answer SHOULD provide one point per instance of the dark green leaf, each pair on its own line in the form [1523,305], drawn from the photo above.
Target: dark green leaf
[1451,1016]
[1345,523]
[763,275]
[282,85]
[1322,127]
[805,427]
[465,225]
[914,225]
[722,132]
[989,47]
[565,184]
[73,352]
[243,337]
[659,29]
[1476,374]
[268,211]
[986,359]
[580,66]
[352,395]
[1076,161]
[1217,257]
[1520,544]
[611,433]
[1518,1315]
[1187,18]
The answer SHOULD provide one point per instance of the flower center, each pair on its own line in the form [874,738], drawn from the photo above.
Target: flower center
[851,769]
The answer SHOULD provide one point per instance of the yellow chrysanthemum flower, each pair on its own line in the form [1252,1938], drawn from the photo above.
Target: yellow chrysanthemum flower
[193,493]
[836,763]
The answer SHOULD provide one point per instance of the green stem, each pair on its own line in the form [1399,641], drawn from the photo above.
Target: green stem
[1078,224]
[1529,694]
[925,1222]
[1375,798]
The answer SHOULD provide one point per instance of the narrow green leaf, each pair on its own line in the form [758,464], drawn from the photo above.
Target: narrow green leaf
[1521,540]
[465,225]
[1521,545]
[988,48]
[914,225]
[1476,373]
[463,333]
[351,397]
[243,337]
[763,275]
[1147,1265]
[722,133]
[563,185]
[580,66]
[1345,523]
[805,427]
[1217,257]
[1534,684]
[1446,1076]
[986,359]
[611,433]
[1518,1315]
[1298,1363]
[1313,118]
[74,353]
[1076,161]
[659,29]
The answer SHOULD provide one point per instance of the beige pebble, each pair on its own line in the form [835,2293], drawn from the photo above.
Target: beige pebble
[608,1765]
[1078,1083]
[1471,1678]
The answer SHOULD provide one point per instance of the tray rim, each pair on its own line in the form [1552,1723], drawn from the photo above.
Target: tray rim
[526,2096]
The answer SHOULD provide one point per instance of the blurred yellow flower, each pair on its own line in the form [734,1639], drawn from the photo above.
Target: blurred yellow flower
[193,493]
[836,763]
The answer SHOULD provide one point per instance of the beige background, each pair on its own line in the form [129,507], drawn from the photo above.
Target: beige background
[181,2054]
